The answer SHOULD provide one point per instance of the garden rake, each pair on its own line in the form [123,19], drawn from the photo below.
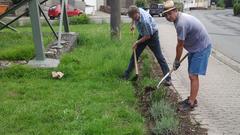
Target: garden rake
[170,72]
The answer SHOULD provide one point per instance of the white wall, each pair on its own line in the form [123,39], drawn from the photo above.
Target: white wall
[92,3]
[99,3]
[196,3]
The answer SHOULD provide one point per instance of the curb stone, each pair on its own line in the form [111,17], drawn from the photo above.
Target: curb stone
[226,60]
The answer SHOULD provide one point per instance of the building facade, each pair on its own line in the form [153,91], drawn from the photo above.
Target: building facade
[196,3]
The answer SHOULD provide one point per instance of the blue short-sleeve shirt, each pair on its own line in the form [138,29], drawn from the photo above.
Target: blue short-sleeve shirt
[192,32]
[146,26]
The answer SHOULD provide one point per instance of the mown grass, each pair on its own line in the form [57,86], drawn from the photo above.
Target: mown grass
[19,46]
[89,100]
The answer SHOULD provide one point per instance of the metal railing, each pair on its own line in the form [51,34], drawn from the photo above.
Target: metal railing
[34,10]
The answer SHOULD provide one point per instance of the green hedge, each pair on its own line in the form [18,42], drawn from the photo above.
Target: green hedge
[141,3]
[236,7]
[220,3]
[16,1]
[179,6]
[82,19]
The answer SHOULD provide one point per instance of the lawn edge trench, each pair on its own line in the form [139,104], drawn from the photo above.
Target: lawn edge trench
[158,107]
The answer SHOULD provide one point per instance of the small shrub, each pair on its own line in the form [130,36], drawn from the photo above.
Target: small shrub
[221,3]
[159,94]
[236,8]
[82,19]
[165,118]
[156,1]
[141,3]
[179,6]
[166,126]
[162,109]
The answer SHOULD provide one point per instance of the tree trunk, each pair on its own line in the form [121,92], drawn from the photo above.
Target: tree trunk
[115,19]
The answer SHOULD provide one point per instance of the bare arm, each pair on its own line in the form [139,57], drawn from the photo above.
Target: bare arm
[143,39]
[179,49]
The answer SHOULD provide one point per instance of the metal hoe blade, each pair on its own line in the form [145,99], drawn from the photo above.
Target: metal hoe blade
[170,72]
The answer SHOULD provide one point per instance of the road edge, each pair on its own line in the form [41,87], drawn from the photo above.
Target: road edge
[226,60]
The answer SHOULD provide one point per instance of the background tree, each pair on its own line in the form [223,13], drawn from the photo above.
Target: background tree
[115,19]
[155,1]
[141,3]
[16,1]
[236,7]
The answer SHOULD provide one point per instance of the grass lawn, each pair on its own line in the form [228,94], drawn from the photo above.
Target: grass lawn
[19,46]
[89,100]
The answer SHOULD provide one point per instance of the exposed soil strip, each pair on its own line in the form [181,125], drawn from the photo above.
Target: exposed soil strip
[188,126]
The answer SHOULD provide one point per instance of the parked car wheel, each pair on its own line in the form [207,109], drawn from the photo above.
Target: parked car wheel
[52,18]
[59,15]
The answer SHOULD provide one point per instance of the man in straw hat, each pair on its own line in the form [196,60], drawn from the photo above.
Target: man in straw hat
[193,36]
[148,36]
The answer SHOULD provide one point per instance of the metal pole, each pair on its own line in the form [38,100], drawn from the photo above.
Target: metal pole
[36,29]
[115,19]
[65,18]
[49,24]
[7,25]
[60,25]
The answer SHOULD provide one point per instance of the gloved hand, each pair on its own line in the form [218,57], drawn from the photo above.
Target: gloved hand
[176,65]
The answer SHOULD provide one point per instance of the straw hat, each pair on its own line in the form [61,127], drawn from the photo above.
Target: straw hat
[168,6]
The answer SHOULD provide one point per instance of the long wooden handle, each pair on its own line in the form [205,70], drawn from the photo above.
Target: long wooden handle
[170,72]
[135,61]
[183,58]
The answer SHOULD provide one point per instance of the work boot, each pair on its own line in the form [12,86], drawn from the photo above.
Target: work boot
[125,76]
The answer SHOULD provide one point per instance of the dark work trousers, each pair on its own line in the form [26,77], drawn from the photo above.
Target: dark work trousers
[154,44]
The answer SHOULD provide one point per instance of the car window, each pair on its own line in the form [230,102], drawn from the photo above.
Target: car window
[160,6]
[154,6]
[53,7]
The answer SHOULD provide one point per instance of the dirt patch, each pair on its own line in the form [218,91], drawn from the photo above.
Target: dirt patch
[187,126]
[6,63]
[144,103]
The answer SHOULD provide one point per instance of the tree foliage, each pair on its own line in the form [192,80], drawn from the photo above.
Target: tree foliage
[141,3]
[16,1]
[220,3]
[236,7]
[155,1]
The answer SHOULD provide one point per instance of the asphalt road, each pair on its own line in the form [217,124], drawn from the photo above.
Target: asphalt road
[223,28]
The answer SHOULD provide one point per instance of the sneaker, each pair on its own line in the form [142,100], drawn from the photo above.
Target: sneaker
[186,106]
[186,100]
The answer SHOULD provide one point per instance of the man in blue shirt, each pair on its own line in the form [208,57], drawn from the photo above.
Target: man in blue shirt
[193,36]
[148,36]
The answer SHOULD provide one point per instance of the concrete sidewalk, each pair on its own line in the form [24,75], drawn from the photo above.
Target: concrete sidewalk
[219,94]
